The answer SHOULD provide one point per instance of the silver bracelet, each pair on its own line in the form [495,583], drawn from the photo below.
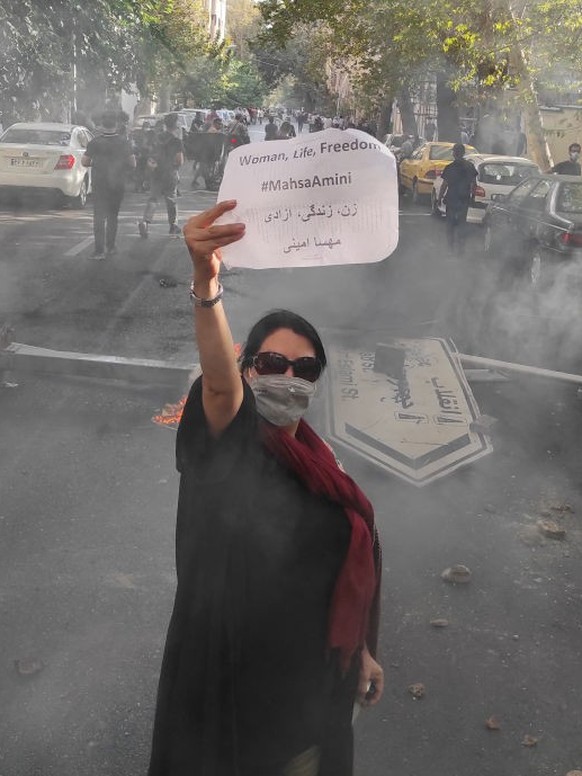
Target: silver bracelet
[197,302]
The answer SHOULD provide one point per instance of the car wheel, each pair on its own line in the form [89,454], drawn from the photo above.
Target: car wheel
[80,201]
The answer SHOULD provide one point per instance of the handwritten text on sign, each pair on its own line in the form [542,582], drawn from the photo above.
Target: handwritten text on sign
[325,198]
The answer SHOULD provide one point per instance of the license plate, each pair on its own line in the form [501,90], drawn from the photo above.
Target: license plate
[24,163]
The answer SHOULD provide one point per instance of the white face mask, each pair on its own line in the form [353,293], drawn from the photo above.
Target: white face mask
[280,399]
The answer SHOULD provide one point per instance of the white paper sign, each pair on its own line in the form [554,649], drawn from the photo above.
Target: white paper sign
[319,199]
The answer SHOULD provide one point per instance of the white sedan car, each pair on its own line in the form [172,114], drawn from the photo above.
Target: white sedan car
[495,175]
[46,156]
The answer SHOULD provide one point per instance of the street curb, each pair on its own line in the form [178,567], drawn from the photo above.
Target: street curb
[19,357]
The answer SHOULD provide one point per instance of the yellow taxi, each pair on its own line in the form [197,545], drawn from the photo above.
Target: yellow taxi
[418,173]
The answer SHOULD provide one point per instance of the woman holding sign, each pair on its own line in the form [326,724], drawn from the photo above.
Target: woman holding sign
[275,619]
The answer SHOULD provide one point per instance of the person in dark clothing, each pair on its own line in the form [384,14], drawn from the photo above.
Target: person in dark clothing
[110,157]
[270,129]
[430,130]
[286,131]
[457,191]
[274,626]
[167,159]
[572,165]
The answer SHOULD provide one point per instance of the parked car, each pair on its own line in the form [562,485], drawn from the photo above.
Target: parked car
[418,173]
[537,227]
[46,156]
[495,175]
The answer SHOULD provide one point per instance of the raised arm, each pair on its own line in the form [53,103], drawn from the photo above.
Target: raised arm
[222,390]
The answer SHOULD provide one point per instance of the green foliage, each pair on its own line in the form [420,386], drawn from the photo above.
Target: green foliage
[40,42]
[299,64]
[391,44]
[160,45]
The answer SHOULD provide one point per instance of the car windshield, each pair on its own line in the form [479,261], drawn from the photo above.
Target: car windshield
[444,153]
[506,174]
[53,137]
[569,198]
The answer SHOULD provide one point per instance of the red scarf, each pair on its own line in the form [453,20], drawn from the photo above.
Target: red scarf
[353,618]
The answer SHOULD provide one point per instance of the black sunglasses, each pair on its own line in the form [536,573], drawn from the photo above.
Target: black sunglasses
[307,368]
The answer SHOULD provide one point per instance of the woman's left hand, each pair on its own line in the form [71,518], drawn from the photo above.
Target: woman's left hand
[371,682]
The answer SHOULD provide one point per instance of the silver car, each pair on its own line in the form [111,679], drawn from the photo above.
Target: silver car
[46,156]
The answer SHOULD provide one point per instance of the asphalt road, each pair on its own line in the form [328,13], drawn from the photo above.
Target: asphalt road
[89,496]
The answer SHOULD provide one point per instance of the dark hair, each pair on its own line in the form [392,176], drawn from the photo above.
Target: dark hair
[574,146]
[273,321]
[171,120]
[109,120]
[458,150]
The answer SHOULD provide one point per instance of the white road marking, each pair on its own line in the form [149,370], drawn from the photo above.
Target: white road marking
[80,246]
[76,249]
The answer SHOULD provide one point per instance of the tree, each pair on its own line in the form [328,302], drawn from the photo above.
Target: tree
[465,43]
[299,64]
[50,48]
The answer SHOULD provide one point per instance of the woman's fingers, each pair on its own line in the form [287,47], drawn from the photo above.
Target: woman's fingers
[203,237]
[208,217]
[371,681]
[378,685]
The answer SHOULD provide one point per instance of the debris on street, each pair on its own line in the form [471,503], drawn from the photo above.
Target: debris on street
[417,690]
[492,723]
[28,666]
[168,283]
[529,740]
[564,507]
[439,623]
[551,529]
[457,574]
[531,536]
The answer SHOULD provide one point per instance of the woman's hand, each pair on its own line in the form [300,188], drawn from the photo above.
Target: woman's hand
[204,240]
[371,682]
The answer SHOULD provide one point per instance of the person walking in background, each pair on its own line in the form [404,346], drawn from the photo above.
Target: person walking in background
[110,157]
[572,165]
[164,165]
[237,132]
[430,130]
[270,129]
[458,189]
[275,621]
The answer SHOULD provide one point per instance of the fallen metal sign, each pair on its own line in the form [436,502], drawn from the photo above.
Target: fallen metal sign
[411,415]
